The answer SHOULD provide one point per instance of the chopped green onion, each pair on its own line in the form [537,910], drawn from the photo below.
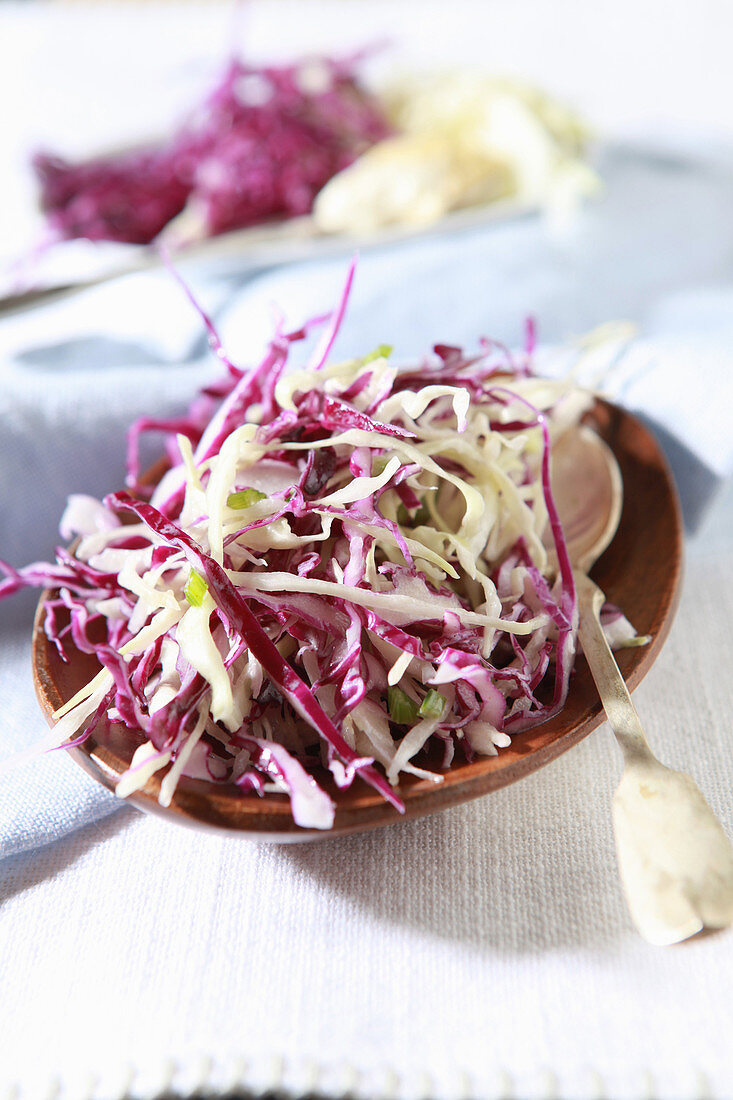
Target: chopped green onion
[196,588]
[637,640]
[422,516]
[244,499]
[402,709]
[432,705]
[382,352]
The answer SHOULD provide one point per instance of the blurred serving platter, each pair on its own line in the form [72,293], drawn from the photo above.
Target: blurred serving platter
[77,265]
[288,162]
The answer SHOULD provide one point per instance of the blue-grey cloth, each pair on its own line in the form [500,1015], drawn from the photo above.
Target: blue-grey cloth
[655,249]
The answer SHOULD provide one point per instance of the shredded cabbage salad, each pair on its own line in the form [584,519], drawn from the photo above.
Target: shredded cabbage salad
[343,566]
[261,146]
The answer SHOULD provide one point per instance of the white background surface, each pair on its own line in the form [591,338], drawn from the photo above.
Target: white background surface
[484,952]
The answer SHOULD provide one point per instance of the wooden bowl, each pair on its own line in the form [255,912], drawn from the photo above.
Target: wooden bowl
[640,572]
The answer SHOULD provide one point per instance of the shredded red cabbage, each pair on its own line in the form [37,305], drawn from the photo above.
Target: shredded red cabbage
[260,147]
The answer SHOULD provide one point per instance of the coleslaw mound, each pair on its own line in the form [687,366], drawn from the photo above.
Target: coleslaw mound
[344,565]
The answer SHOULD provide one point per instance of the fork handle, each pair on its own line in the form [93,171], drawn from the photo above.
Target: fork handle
[620,711]
[676,862]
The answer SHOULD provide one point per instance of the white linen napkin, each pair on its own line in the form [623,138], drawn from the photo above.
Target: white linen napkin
[482,953]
